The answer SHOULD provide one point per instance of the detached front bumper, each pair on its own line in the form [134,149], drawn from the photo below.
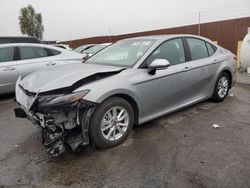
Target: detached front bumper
[62,127]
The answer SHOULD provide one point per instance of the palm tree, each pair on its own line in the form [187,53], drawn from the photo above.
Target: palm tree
[31,22]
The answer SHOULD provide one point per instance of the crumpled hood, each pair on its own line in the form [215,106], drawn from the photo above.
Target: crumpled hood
[62,76]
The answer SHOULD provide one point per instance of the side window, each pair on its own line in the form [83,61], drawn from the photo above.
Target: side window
[210,49]
[172,50]
[6,54]
[198,48]
[32,52]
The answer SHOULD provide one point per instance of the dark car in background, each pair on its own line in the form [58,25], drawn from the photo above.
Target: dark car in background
[6,40]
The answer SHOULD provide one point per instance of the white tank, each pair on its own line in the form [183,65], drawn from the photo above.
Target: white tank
[245,52]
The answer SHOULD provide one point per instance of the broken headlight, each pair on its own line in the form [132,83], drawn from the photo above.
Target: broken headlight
[57,100]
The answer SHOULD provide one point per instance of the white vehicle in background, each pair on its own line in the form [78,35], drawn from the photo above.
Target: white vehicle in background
[80,49]
[63,46]
[94,49]
[21,59]
[90,49]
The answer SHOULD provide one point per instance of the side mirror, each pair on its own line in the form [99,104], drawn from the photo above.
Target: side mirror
[158,64]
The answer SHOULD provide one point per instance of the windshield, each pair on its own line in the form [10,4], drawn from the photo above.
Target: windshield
[124,53]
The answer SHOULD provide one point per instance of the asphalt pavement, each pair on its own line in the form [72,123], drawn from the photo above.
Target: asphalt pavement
[181,149]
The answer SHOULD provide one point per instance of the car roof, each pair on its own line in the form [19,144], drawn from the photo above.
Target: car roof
[164,37]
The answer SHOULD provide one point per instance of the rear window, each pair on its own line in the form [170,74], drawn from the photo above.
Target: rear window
[53,52]
[6,54]
[211,49]
[80,49]
[27,52]
[198,48]
[93,49]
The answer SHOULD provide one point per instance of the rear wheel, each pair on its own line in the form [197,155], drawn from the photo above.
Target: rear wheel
[221,87]
[111,122]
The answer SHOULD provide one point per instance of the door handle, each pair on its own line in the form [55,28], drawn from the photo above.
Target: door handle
[51,64]
[9,68]
[215,61]
[187,69]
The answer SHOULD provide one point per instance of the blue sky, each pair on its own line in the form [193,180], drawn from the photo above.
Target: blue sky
[65,19]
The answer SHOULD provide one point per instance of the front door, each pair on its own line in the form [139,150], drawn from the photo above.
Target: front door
[168,88]
[8,70]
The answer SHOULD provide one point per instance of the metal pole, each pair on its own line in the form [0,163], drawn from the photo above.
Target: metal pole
[109,35]
[199,25]
[70,41]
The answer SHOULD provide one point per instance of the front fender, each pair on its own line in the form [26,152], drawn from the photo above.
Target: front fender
[117,92]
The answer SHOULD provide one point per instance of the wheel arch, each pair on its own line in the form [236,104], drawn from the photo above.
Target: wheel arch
[133,103]
[130,100]
[229,73]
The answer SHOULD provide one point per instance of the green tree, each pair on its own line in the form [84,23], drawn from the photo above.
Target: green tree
[31,22]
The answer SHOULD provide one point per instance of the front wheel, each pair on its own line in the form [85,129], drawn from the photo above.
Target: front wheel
[221,87]
[111,122]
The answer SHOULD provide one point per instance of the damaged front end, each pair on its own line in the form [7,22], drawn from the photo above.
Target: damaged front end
[64,119]
[62,113]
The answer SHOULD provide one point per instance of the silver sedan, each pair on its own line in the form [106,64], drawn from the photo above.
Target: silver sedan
[23,59]
[130,82]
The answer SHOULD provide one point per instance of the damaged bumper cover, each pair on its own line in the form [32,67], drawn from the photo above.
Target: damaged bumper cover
[64,119]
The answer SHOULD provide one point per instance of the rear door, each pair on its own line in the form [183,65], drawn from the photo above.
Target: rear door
[8,70]
[36,58]
[203,67]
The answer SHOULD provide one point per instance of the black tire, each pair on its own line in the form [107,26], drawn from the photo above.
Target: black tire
[216,97]
[96,135]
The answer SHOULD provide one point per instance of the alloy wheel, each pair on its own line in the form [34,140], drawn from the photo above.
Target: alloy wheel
[114,123]
[222,87]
